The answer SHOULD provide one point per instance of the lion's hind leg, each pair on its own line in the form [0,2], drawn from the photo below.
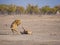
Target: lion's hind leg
[12,31]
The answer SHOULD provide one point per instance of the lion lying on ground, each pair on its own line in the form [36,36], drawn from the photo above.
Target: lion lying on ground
[14,26]
[26,31]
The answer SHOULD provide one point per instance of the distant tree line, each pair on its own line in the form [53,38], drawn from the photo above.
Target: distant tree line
[30,9]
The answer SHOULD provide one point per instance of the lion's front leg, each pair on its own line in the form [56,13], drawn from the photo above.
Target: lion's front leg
[17,31]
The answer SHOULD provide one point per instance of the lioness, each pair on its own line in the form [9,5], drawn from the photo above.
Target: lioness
[14,26]
[26,31]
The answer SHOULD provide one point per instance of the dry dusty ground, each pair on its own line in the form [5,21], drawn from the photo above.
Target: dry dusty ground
[46,30]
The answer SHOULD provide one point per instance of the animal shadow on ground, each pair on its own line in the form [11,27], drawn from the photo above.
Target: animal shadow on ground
[3,34]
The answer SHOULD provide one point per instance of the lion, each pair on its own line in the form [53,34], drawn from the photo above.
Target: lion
[26,31]
[14,26]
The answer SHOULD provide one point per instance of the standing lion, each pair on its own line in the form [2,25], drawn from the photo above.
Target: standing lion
[14,26]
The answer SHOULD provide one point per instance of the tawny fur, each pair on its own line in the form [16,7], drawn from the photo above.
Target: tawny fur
[14,26]
[26,31]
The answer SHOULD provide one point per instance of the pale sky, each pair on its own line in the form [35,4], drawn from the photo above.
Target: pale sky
[24,3]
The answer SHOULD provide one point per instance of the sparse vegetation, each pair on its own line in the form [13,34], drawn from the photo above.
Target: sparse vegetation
[30,9]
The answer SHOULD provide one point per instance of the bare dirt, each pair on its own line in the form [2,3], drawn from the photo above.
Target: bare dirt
[45,30]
